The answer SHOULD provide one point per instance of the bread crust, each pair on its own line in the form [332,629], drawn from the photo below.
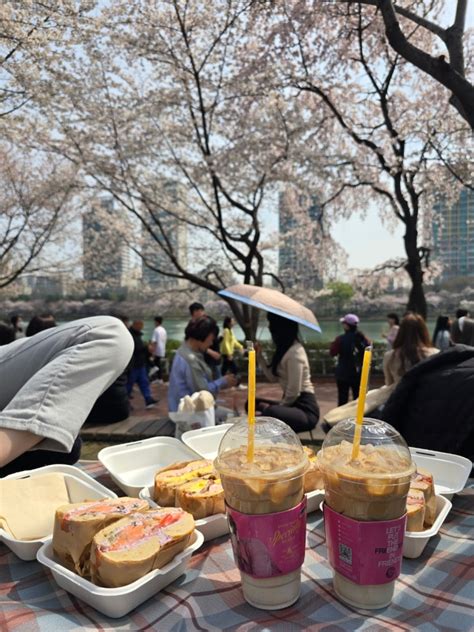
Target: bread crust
[423,481]
[201,503]
[76,524]
[313,478]
[415,510]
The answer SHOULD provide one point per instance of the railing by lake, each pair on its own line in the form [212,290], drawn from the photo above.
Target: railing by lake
[320,361]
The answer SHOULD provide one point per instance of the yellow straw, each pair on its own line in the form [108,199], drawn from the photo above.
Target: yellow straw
[364,380]
[251,402]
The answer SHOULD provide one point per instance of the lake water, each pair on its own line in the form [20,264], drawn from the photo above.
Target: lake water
[373,329]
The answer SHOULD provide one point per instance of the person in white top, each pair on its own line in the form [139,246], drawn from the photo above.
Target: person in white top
[158,347]
[442,333]
[394,326]
[290,367]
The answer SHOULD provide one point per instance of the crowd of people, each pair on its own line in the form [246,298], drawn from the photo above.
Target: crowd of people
[428,394]
[207,360]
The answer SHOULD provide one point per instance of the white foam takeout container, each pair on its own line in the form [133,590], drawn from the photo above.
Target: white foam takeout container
[414,542]
[134,465]
[211,527]
[450,471]
[81,487]
[206,441]
[117,602]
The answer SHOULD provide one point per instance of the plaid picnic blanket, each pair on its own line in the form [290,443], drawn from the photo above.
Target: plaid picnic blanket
[434,592]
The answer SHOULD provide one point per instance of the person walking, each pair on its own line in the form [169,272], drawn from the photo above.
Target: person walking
[138,370]
[158,348]
[290,367]
[229,345]
[349,348]
[442,333]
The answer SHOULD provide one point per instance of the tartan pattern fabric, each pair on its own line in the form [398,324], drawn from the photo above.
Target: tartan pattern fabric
[434,592]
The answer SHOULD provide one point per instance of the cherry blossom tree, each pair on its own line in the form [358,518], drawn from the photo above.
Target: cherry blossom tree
[388,121]
[447,66]
[33,200]
[162,111]
[35,192]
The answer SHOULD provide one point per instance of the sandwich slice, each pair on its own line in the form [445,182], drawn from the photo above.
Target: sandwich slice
[169,478]
[423,481]
[132,547]
[76,524]
[202,497]
[415,510]
[313,478]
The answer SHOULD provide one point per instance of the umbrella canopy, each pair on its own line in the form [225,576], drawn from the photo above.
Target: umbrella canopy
[272,301]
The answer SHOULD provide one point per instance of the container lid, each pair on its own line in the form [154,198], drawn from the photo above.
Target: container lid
[382,449]
[277,450]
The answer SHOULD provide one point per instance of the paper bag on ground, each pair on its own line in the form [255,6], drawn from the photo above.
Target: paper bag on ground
[195,411]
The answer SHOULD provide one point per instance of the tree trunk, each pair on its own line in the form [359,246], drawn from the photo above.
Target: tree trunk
[416,298]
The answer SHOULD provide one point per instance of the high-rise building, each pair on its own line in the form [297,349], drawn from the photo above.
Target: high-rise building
[154,256]
[41,285]
[300,228]
[453,236]
[106,255]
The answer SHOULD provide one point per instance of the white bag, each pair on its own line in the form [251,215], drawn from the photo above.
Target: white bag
[191,421]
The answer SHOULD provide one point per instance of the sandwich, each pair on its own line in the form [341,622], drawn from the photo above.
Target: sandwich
[313,478]
[76,524]
[415,510]
[423,481]
[133,546]
[169,478]
[202,497]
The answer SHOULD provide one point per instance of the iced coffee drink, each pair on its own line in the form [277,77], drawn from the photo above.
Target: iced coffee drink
[266,509]
[373,487]
[365,506]
[260,487]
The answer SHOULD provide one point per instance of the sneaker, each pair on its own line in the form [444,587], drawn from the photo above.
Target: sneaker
[151,403]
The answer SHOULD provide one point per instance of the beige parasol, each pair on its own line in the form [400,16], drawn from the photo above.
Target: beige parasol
[272,301]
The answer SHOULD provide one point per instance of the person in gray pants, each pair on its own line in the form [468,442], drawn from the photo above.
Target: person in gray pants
[49,383]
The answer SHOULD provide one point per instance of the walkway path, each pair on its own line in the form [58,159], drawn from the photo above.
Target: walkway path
[144,423]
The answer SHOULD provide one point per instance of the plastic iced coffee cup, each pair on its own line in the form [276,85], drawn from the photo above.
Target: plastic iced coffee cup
[364,511]
[266,509]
